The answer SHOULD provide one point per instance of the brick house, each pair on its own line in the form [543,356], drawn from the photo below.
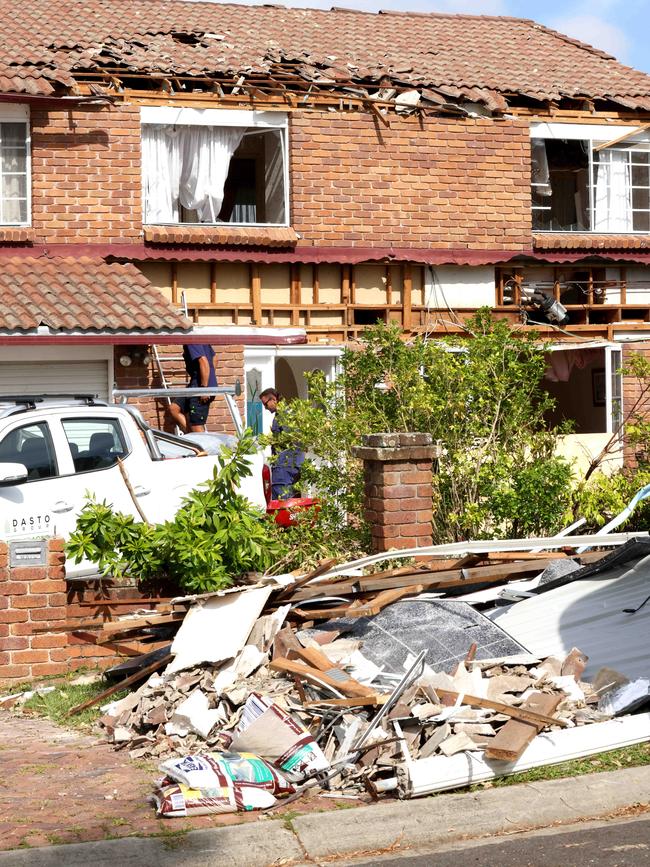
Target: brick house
[285,177]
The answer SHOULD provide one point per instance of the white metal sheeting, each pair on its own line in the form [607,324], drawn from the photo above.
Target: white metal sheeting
[462,549]
[588,613]
[437,773]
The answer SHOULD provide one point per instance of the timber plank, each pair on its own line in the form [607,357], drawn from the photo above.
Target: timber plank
[532,713]
[98,699]
[331,677]
[513,738]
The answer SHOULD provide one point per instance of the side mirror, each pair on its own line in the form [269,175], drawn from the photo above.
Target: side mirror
[12,474]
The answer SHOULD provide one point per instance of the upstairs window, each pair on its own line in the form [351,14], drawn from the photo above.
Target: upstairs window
[14,168]
[579,186]
[212,167]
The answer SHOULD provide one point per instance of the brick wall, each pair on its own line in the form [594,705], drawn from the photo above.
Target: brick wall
[86,169]
[229,367]
[447,182]
[33,598]
[398,489]
[632,392]
[422,182]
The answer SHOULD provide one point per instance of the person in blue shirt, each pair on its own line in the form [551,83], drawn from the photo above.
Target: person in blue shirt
[285,471]
[191,413]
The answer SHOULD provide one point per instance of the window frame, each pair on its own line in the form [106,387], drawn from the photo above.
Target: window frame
[252,120]
[89,420]
[19,114]
[48,437]
[595,135]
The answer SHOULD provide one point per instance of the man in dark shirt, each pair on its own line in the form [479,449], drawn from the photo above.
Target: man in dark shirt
[285,471]
[191,413]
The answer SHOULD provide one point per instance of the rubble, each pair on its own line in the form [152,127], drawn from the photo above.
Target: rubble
[400,700]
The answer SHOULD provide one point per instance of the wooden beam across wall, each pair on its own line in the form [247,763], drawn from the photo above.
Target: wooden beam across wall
[345,294]
[407,295]
[623,277]
[389,284]
[315,296]
[256,293]
[174,284]
[213,282]
[295,293]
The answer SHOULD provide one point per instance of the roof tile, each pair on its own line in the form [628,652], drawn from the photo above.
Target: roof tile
[226,236]
[86,294]
[585,241]
[463,56]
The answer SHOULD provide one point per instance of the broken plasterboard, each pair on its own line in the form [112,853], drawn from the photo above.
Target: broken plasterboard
[216,629]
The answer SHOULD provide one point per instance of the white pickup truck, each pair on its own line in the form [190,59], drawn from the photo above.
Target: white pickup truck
[54,451]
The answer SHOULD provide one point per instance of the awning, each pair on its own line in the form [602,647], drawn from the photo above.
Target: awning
[90,302]
[306,254]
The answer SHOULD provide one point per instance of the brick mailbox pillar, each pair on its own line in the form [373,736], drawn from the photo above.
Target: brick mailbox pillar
[32,597]
[398,470]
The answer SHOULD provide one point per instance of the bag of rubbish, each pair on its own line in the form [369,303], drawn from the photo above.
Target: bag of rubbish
[267,730]
[198,785]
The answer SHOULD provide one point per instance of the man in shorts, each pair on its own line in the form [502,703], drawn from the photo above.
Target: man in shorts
[191,413]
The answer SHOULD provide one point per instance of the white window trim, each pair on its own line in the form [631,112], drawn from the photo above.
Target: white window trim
[595,134]
[613,363]
[12,113]
[273,120]
[212,117]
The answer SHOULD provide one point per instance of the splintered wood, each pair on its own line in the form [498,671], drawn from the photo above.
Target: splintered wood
[304,657]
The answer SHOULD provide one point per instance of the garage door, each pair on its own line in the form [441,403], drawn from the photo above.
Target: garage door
[54,377]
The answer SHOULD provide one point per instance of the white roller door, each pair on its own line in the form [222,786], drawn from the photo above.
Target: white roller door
[54,377]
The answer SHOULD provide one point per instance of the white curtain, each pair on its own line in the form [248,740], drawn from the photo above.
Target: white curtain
[613,207]
[206,153]
[188,166]
[161,161]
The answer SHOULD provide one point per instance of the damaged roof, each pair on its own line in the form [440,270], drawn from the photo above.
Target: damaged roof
[49,45]
[81,295]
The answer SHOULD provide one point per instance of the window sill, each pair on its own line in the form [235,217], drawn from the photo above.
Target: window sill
[223,236]
[589,241]
[16,234]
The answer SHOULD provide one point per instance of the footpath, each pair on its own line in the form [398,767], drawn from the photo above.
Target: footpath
[57,784]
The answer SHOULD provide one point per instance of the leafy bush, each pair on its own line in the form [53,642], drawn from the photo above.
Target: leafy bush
[216,536]
[604,496]
[480,397]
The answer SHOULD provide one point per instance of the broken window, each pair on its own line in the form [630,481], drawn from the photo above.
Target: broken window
[210,173]
[14,168]
[577,187]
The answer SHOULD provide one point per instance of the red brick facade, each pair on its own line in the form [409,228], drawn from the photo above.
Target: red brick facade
[33,598]
[420,182]
[635,396]
[86,170]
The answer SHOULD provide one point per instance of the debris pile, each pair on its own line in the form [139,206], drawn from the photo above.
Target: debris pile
[364,684]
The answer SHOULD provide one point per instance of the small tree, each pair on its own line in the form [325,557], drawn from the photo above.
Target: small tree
[215,537]
[481,397]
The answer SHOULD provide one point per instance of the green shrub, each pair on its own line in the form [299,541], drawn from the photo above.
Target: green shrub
[480,396]
[216,535]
